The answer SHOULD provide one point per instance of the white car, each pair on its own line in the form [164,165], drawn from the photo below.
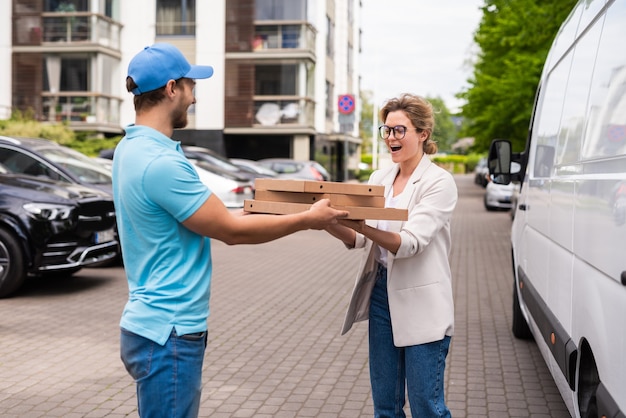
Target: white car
[253,167]
[231,190]
[499,196]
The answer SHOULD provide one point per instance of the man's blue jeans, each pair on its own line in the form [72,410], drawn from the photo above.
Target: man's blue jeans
[420,366]
[168,377]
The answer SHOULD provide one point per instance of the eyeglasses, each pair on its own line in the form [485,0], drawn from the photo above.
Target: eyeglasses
[398,131]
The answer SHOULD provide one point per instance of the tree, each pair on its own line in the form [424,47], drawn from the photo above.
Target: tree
[514,37]
[367,120]
[445,130]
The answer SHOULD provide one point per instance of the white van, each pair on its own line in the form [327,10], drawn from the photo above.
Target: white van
[569,232]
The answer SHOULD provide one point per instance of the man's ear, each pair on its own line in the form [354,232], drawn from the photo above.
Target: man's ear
[170,87]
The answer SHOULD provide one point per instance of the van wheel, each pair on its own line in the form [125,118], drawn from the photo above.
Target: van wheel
[12,264]
[588,381]
[520,327]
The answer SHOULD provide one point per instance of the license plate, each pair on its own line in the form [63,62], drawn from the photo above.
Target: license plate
[104,236]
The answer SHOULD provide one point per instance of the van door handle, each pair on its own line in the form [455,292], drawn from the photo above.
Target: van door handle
[522,206]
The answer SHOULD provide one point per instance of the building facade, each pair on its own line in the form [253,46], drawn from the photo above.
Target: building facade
[286,80]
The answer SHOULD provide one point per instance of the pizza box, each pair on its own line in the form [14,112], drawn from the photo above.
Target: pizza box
[355,212]
[310,186]
[336,199]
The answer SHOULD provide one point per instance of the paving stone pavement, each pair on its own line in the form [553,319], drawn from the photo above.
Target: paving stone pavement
[274,346]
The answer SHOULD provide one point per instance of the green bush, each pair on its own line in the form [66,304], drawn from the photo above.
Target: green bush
[472,161]
[458,164]
[364,175]
[92,145]
[454,163]
[29,128]
[23,125]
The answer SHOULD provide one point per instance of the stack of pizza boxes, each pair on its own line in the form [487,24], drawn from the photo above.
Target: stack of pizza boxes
[282,197]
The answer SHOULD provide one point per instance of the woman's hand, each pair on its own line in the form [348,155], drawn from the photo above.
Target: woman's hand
[357,225]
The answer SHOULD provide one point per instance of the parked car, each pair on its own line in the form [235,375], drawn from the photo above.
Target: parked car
[217,173]
[41,157]
[295,169]
[499,196]
[51,226]
[216,163]
[481,172]
[254,167]
[231,190]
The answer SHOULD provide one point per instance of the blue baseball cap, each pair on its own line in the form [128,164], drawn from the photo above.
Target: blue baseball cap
[155,65]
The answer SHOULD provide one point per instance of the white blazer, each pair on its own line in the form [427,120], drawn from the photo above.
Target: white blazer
[419,281]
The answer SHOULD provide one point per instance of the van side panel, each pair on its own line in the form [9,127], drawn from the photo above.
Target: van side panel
[569,244]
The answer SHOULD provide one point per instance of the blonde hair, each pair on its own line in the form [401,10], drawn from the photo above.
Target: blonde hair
[419,111]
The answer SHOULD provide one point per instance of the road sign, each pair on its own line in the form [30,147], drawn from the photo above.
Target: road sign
[346,104]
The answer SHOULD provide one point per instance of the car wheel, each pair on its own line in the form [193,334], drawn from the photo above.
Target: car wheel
[12,264]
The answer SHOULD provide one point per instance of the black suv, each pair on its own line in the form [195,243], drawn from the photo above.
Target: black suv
[51,227]
[44,158]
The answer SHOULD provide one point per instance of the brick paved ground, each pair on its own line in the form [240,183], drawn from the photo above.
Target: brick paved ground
[274,346]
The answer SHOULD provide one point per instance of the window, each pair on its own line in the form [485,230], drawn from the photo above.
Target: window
[330,37]
[21,163]
[176,17]
[330,104]
[280,9]
[66,6]
[72,75]
[275,80]
[108,9]
[570,133]
[350,60]
[605,134]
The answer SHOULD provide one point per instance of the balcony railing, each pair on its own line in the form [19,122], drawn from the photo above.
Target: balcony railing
[69,28]
[81,107]
[283,111]
[283,35]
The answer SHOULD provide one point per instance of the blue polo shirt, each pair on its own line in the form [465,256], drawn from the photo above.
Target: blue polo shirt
[168,267]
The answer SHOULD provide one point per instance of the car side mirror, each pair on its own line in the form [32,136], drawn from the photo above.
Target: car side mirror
[499,161]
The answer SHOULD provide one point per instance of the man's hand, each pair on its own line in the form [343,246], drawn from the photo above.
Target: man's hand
[322,214]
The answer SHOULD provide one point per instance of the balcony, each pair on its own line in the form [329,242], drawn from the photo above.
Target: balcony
[83,110]
[283,112]
[67,29]
[281,36]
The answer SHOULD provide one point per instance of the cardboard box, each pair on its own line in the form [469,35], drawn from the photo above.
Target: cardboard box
[310,186]
[355,212]
[283,197]
[336,199]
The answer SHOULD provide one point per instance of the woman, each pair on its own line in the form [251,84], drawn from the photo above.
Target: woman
[404,283]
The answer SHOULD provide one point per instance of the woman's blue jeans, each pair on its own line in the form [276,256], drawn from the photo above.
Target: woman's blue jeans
[168,377]
[420,366]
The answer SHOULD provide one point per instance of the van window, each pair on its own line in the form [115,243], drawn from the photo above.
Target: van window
[576,97]
[547,124]
[605,135]
[565,38]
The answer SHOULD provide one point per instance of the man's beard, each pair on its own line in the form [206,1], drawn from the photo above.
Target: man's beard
[179,118]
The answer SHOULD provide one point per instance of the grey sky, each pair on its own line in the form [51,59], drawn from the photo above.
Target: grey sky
[418,46]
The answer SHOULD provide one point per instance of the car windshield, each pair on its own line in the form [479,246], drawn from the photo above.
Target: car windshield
[215,160]
[83,167]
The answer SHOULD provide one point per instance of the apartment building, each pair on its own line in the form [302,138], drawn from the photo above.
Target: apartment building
[286,80]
